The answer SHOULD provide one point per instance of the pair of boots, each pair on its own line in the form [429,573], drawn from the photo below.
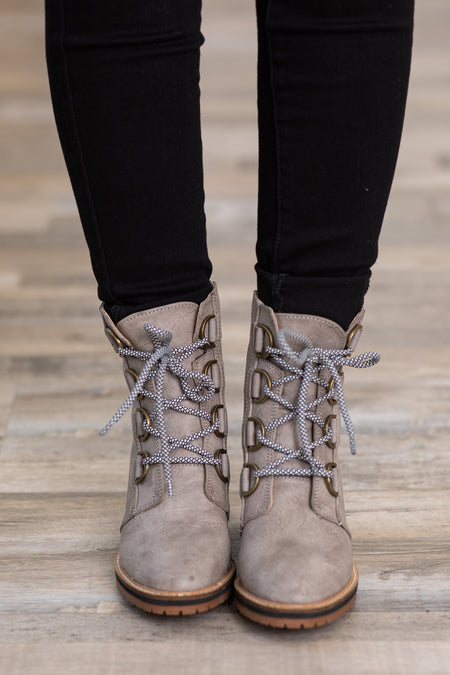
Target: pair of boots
[295,564]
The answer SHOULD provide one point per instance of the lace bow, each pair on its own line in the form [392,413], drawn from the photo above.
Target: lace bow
[157,364]
[297,355]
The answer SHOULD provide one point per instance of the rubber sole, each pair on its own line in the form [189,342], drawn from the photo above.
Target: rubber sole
[280,615]
[174,603]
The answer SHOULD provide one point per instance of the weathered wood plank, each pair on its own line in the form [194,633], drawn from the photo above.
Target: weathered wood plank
[192,658]
[116,621]
[63,487]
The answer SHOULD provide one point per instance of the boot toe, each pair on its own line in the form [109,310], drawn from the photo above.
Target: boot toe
[296,569]
[181,555]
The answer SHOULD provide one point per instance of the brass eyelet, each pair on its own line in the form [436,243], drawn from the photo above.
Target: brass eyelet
[132,372]
[331,401]
[256,420]
[264,398]
[117,340]
[326,429]
[352,334]
[207,368]
[268,332]
[328,483]
[219,434]
[143,437]
[202,332]
[217,454]
[250,465]
[143,476]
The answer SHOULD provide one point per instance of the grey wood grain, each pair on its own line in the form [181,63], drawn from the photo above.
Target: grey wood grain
[63,487]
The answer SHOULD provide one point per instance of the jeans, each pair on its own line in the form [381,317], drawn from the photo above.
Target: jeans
[332,84]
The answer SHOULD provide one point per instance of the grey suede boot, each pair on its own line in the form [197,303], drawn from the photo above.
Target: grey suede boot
[174,555]
[295,565]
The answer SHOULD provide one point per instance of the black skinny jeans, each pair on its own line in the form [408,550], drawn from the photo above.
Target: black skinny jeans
[332,83]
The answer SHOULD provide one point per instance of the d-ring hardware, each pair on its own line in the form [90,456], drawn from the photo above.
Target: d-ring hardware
[250,491]
[352,334]
[263,398]
[326,429]
[143,437]
[331,401]
[219,434]
[256,420]
[328,483]
[117,340]
[206,370]
[217,454]
[132,372]
[202,333]
[268,332]
[143,476]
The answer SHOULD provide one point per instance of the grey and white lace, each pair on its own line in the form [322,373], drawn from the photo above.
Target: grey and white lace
[157,364]
[302,361]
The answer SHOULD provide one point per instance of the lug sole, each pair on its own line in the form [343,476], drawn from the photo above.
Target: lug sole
[174,603]
[292,616]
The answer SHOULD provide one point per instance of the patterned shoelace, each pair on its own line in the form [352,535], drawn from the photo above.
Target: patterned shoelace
[157,364]
[297,355]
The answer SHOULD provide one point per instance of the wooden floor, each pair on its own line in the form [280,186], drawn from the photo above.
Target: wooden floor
[63,486]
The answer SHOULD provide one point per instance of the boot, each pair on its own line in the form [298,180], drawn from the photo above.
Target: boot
[174,554]
[295,566]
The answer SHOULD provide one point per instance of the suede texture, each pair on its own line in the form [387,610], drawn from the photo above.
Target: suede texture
[178,543]
[295,543]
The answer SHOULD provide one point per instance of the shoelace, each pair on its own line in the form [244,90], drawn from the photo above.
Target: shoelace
[162,360]
[297,355]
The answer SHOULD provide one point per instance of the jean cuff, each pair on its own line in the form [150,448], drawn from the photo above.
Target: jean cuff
[338,298]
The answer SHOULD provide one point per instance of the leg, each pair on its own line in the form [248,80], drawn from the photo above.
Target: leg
[332,88]
[125,87]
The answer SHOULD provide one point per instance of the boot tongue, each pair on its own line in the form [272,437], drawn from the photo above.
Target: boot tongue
[179,318]
[296,346]
[322,332]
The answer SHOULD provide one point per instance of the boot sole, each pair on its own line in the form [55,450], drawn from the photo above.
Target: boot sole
[281,615]
[174,603]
